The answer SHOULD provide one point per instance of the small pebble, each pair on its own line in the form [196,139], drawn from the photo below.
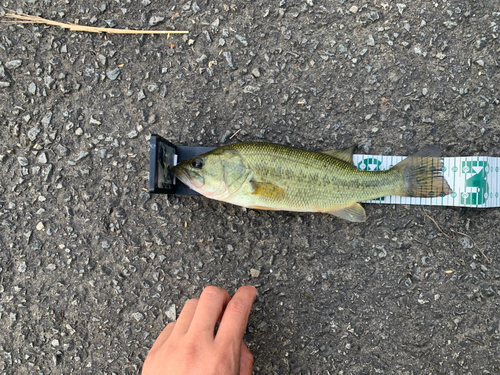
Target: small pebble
[63,151]
[155,20]
[40,226]
[94,121]
[353,9]
[370,41]
[426,261]
[23,162]
[113,74]
[254,273]
[229,58]
[13,64]
[42,158]
[111,23]
[49,82]
[46,119]
[32,88]
[81,155]
[22,267]
[171,313]
[242,40]
[138,316]
[33,133]
[256,72]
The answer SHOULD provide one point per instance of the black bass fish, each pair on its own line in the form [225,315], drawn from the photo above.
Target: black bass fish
[270,176]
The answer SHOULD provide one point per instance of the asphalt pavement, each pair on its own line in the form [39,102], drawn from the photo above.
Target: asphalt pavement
[92,267]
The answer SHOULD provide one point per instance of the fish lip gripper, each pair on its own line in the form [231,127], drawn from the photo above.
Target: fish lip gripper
[163,156]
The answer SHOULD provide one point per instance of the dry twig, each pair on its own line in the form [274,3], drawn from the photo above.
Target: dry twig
[16,18]
[475,244]
[237,131]
[434,221]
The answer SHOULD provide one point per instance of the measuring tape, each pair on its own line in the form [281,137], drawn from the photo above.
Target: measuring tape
[475,180]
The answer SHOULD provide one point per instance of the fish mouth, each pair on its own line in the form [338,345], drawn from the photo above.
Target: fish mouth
[189,179]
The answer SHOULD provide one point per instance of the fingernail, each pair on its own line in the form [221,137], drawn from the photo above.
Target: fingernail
[256,292]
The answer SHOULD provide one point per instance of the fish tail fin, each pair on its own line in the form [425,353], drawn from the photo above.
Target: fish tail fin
[422,174]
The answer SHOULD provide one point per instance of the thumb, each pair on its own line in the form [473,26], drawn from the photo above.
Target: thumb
[246,360]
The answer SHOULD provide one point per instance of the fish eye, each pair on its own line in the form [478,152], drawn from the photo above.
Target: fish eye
[197,163]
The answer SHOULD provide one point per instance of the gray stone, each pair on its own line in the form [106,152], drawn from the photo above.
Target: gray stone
[32,88]
[33,133]
[171,313]
[46,119]
[132,134]
[23,161]
[113,74]
[153,87]
[81,155]
[229,58]
[22,267]
[138,316]
[155,20]
[13,64]
[242,40]
[370,41]
[63,151]
[42,158]
[49,82]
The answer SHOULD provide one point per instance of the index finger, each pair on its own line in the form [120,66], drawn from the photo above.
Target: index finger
[235,318]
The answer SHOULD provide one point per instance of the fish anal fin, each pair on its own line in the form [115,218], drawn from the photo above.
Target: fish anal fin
[345,154]
[355,213]
[267,190]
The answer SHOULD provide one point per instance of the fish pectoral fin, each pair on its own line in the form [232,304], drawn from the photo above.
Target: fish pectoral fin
[267,190]
[345,154]
[355,213]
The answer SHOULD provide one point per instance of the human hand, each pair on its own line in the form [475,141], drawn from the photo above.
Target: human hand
[190,345]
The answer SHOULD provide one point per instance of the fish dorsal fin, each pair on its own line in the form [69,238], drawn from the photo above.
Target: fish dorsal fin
[345,154]
[267,190]
[355,213]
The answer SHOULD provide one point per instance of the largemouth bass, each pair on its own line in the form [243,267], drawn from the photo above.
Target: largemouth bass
[269,176]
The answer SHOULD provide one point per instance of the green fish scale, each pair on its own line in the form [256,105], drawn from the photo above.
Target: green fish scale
[313,179]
